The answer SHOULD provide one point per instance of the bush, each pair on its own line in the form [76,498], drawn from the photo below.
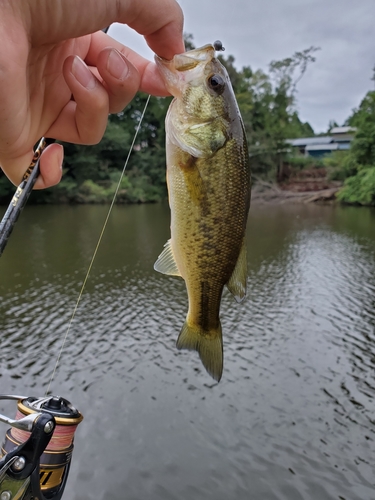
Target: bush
[360,188]
[90,192]
[303,162]
[340,165]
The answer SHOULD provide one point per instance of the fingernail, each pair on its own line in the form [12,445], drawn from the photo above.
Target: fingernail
[82,73]
[117,65]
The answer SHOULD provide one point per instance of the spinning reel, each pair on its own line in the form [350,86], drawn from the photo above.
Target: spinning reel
[37,451]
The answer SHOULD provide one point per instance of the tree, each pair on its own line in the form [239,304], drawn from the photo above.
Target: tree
[285,69]
[363,146]
[332,124]
[360,187]
[268,107]
[188,39]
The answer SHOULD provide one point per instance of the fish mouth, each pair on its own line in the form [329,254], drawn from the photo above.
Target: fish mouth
[187,60]
[175,70]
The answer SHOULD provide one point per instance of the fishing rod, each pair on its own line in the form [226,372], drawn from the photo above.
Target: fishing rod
[22,194]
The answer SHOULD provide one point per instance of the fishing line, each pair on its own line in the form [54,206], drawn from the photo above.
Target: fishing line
[97,247]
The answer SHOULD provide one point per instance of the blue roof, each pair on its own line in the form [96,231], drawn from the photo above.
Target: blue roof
[343,145]
[343,130]
[322,147]
[309,141]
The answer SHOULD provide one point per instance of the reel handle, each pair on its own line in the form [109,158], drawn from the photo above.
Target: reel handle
[38,448]
[22,463]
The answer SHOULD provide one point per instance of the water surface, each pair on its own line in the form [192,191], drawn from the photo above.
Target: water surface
[294,415]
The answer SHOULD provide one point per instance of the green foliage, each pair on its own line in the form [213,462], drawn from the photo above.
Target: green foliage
[267,103]
[6,189]
[89,192]
[285,69]
[188,39]
[340,165]
[304,162]
[91,173]
[360,188]
[331,125]
[357,166]
[268,106]
[363,146]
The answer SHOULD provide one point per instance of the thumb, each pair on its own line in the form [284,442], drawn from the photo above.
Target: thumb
[50,167]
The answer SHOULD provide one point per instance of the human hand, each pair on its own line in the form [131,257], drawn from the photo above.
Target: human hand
[60,76]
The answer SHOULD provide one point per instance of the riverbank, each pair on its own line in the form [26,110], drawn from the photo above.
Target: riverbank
[270,193]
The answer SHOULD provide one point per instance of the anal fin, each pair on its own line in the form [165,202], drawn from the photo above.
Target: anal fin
[166,263]
[237,282]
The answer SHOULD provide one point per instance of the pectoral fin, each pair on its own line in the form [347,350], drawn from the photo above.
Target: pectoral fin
[166,263]
[237,282]
[207,137]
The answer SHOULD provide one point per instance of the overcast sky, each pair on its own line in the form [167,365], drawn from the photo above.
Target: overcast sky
[256,32]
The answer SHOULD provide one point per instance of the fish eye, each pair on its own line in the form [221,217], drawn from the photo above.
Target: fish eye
[216,83]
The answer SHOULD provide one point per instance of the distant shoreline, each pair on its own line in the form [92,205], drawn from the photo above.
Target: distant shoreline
[268,193]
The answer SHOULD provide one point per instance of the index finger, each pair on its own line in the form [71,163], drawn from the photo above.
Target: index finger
[151,80]
[161,25]
[159,21]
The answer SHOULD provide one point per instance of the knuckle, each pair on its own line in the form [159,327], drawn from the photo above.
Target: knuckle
[92,135]
[117,105]
[100,104]
[91,140]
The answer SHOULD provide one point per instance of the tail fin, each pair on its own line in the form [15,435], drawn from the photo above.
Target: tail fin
[208,344]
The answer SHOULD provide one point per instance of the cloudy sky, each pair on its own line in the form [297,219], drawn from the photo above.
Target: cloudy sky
[256,32]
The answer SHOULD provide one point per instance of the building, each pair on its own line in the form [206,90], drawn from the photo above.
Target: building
[339,139]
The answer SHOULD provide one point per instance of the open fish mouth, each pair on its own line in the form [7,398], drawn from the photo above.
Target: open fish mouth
[184,67]
[188,60]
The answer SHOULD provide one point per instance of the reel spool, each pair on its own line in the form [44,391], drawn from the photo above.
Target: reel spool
[56,457]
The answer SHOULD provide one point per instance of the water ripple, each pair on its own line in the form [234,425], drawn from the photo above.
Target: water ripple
[292,418]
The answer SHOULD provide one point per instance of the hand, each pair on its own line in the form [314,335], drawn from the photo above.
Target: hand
[60,76]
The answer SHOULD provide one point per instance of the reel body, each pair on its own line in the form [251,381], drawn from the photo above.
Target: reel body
[37,449]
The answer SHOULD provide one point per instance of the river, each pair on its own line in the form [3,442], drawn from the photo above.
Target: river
[293,417]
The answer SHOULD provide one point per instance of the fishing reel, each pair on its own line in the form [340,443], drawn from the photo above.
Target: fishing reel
[37,450]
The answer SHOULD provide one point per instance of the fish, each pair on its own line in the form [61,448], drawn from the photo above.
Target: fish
[209,185]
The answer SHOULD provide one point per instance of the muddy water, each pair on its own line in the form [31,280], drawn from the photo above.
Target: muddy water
[293,417]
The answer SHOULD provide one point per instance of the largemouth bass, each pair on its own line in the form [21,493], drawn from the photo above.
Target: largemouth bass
[208,177]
